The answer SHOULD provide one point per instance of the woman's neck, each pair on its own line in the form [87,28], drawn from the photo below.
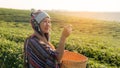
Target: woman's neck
[40,38]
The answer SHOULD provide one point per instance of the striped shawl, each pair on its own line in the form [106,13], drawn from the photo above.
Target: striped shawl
[39,55]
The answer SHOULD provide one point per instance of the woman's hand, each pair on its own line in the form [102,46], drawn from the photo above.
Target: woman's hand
[67,31]
[60,50]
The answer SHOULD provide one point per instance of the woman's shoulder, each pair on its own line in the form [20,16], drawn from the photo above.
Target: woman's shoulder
[29,38]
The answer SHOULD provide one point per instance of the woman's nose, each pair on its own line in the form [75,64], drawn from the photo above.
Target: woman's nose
[48,24]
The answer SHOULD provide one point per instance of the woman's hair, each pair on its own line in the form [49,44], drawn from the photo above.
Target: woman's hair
[36,19]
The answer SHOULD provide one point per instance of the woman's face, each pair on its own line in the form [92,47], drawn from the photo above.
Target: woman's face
[45,25]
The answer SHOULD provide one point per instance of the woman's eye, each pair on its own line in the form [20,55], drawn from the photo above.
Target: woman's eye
[44,21]
[49,22]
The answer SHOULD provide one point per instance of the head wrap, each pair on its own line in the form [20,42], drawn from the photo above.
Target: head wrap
[36,18]
[41,16]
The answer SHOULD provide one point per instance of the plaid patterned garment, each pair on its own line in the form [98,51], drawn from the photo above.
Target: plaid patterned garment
[39,55]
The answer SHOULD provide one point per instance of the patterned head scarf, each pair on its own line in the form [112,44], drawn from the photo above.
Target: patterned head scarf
[36,18]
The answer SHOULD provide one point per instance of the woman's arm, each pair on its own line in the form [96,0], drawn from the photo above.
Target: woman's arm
[60,50]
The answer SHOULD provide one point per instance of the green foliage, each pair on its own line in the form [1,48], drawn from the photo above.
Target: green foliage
[10,54]
[12,36]
[13,15]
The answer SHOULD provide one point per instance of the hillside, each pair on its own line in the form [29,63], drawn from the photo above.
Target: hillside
[96,39]
[14,15]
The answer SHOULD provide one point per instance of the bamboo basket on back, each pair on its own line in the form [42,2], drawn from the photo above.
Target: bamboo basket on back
[73,60]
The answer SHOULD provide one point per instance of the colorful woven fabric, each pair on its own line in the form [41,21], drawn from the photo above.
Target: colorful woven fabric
[39,55]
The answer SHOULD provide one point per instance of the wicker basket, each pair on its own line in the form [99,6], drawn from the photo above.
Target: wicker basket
[73,60]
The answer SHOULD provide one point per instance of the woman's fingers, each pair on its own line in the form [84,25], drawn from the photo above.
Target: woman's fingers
[67,30]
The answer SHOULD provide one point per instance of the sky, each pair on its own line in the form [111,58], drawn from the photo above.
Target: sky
[69,5]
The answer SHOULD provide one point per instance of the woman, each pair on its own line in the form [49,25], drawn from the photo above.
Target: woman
[39,53]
